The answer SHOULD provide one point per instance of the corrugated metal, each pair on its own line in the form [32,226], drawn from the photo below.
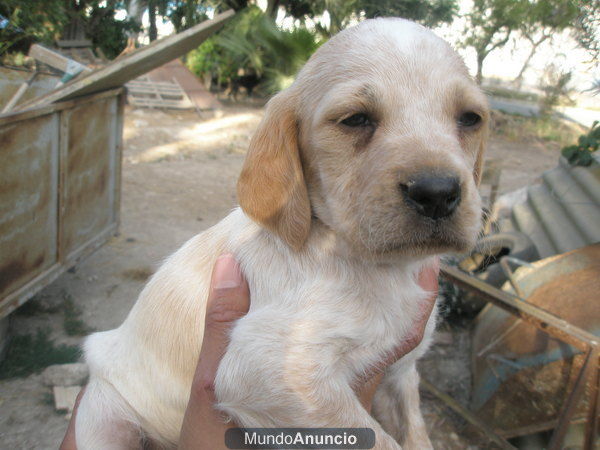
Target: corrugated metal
[562,213]
[59,190]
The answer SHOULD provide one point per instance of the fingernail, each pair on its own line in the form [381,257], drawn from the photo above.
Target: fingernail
[227,273]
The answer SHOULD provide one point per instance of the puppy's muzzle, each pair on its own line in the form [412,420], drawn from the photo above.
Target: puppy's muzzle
[432,196]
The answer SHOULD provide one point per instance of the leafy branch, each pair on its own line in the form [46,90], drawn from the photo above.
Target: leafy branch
[580,154]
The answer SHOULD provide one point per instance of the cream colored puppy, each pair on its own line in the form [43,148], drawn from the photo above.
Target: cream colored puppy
[360,171]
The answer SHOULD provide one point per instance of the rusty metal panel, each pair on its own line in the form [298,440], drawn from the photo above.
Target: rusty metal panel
[59,190]
[28,200]
[88,147]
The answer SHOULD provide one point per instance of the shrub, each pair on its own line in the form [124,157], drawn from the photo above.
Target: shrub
[252,51]
[580,154]
[555,85]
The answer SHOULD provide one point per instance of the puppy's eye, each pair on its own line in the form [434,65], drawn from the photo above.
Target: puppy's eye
[469,119]
[358,120]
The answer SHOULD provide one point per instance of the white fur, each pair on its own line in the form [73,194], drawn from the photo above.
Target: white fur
[312,312]
[322,316]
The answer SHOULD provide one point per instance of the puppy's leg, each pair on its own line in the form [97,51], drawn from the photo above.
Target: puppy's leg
[397,407]
[104,421]
[305,393]
[336,408]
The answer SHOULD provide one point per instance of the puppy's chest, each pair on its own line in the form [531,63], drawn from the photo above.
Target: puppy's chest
[356,312]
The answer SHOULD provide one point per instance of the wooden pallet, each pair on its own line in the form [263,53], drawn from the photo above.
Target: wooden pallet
[152,94]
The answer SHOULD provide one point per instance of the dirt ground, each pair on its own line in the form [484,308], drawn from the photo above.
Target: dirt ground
[179,174]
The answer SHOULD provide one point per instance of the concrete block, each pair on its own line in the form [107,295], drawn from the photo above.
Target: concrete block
[75,374]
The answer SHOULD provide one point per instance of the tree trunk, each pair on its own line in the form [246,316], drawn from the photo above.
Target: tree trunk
[152,32]
[272,8]
[518,81]
[479,76]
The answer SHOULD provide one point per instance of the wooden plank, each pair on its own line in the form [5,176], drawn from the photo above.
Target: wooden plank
[154,103]
[154,89]
[17,95]
[28,201]
[145,84]
[56,60]
[135,64]
[141,99]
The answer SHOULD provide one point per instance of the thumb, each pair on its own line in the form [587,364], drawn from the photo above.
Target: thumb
[228,300]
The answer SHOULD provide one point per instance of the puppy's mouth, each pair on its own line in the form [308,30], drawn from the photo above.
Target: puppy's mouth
[426,247]
[430,238]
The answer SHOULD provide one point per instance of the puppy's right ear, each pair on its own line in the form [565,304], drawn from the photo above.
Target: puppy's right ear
[271,188]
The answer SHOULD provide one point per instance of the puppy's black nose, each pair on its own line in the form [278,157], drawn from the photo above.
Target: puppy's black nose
[433,196]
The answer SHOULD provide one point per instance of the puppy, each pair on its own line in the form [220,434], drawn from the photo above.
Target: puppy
[359,172]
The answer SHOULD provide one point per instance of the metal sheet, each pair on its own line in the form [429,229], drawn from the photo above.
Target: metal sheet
[59,190]
[88,146]
[28,200]
[12,79]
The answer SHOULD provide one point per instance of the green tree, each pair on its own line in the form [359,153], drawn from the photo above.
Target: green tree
[427,12]
[587,26]
[543,19]
[35,21]
[31,21]
[100,25]
[430,13]
[490,24]
[252,51]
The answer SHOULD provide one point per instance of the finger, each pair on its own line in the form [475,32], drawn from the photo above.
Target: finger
[366,391]
[428,277]
[228,300]
[428,281]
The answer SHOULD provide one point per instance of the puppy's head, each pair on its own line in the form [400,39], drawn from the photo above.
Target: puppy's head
[380,137]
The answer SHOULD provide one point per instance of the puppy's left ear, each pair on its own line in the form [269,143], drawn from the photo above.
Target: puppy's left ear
[271,188]
[478,168]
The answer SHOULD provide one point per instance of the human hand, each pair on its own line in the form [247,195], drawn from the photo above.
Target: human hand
[229,299]
[68,442]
